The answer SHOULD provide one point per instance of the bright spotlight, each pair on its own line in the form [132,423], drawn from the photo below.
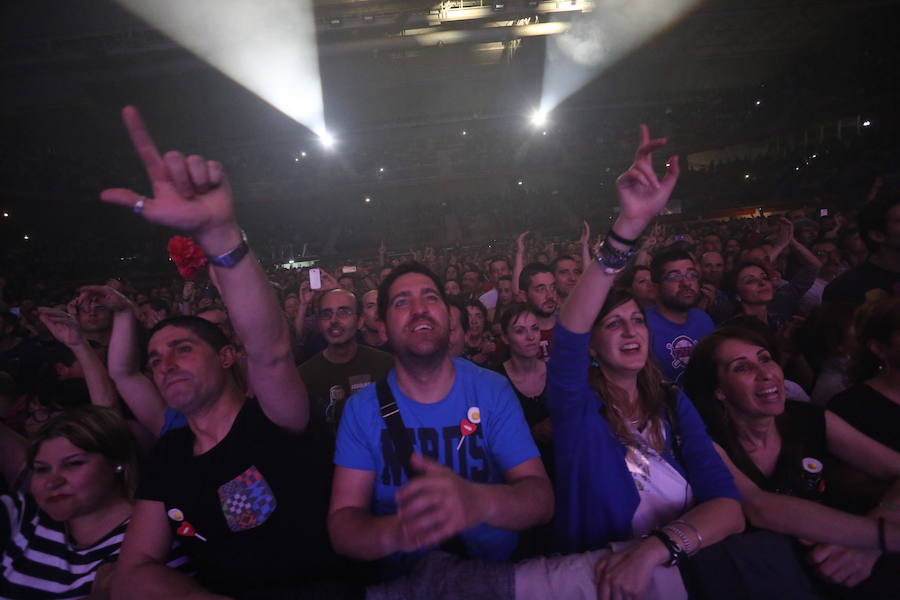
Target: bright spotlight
[867,123]
[327,140]
[267,47]
[539,117]
[368,199]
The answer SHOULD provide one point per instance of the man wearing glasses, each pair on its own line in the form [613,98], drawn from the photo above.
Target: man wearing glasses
[675,324]
[344,366]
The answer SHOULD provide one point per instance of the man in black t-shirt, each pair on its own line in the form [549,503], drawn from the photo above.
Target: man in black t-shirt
[345,366]
[879,275]
[242,487]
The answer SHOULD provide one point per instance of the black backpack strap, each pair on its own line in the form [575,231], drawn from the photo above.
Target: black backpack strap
[671,391]
[390,412]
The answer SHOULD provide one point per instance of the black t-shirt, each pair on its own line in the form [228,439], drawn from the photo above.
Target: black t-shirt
[330,384]
[800,470]
[870,412]
[251,511]
[863,283]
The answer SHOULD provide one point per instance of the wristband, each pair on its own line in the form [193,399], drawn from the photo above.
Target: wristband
[233,256]
[675,552]
[612,260]
[622,240]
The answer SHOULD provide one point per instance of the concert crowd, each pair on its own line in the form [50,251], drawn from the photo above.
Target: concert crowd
[643,405]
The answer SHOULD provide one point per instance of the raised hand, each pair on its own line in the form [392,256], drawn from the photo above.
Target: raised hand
[520,242]
[190,194]
[585,234]
[62,325]
[641,194]
[103,295]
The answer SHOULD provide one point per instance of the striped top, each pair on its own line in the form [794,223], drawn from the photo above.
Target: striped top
[40,564]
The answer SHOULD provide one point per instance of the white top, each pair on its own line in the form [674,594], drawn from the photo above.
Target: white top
[489,298]
[665,495]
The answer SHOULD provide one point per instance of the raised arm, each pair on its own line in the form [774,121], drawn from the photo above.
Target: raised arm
[136,389]
[518,262]
[641,196]
[585,242]
[65,329]
[193,195]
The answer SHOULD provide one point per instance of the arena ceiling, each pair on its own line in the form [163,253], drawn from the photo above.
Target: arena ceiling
[68,66]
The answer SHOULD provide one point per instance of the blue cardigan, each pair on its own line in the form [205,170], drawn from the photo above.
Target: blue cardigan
[595,494]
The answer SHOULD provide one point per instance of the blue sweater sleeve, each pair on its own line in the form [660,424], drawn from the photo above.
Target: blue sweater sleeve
[705,471]
[567,369]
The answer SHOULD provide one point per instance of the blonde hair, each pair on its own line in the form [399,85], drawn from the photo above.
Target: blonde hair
[94,429]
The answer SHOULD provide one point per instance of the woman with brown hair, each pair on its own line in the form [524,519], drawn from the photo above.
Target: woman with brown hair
[778,451]
[632,456]
[872,404]
[66,533]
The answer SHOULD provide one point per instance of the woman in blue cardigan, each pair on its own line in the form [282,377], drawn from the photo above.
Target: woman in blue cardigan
[633,458]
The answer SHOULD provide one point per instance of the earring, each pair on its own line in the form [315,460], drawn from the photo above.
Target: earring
[119,468]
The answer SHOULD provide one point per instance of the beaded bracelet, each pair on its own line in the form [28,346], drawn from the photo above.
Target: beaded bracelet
[685,542]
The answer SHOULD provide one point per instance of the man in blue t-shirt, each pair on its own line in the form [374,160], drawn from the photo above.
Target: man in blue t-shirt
[675,324]
[479,474]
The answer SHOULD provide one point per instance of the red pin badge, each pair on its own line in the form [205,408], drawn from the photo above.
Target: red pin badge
[185,529]
[466,428]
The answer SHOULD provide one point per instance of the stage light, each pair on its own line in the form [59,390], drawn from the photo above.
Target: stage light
[746,175]
[521,182]
[543,133]
[464,132]
[303,154]
[268,47]
[758,102]
[368,199]
[866,123]
[6,215]
[25,237]
[539,117]
[327,140]
[381,169]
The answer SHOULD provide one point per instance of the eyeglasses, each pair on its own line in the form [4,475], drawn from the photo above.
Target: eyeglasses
[342,312]
[675,276]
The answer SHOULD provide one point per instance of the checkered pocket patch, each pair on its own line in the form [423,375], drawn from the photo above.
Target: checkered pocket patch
[247,500]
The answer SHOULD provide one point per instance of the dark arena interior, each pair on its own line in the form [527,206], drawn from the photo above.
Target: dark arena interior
[701,197]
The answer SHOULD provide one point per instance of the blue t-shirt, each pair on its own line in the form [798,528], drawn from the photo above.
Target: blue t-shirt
[672,343]
[500,442]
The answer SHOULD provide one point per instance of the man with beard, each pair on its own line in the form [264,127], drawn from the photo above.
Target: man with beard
[478,475]
[538,287]
[344,366]
[675,324]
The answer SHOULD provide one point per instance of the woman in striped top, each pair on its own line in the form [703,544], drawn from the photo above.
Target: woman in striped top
[60,541]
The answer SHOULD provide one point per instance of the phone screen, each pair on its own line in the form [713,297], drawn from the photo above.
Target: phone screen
[315,279]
